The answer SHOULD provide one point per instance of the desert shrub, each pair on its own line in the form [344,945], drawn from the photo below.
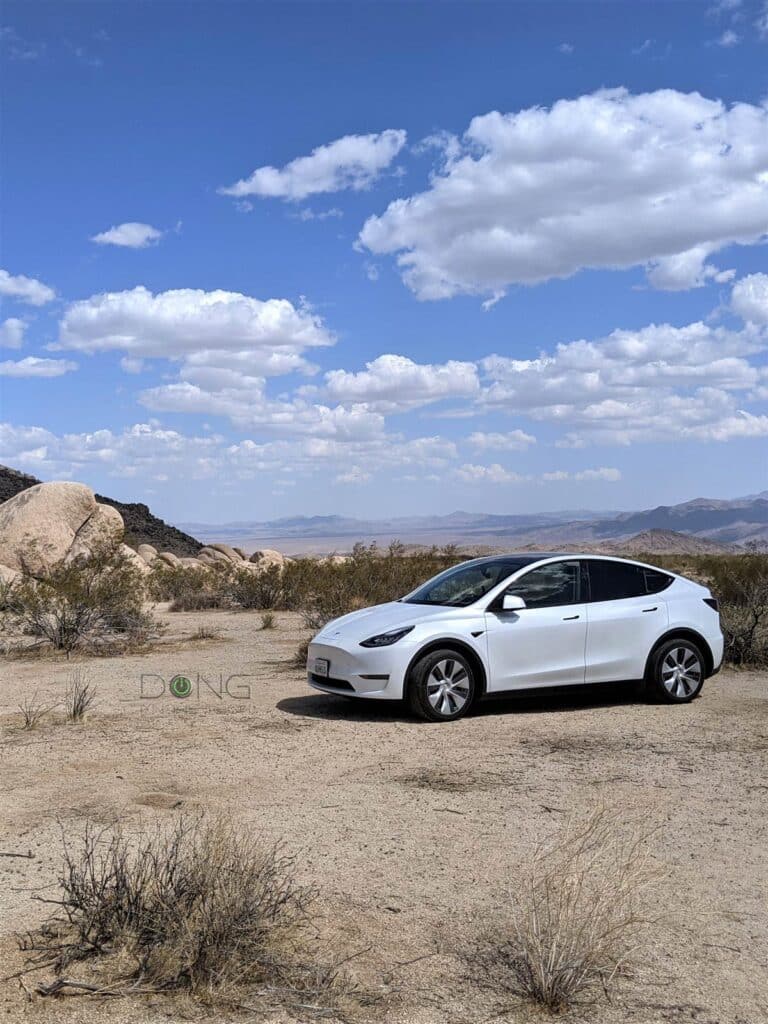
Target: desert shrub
[192,589]
[299,659]
[576,915]
[199,906]
[80,696]
[33,711]
[90,603]
[262,590]
[268,620]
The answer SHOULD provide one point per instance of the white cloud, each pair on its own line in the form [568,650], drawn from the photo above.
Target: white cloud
[761,24]
[749,298]
[25,289]
[604,473]
[394,383]
[729,38]
[306,214]
[353,476]
[129,364]
[33,366]
[512,441]
[12,333]
[660,383]
[143,449]
[130,235]
[566,48]
[493,474]
[352,162]
[686,270]
[609,180]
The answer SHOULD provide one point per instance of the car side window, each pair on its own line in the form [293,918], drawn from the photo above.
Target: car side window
[656,581]
[548,586]
[612,581]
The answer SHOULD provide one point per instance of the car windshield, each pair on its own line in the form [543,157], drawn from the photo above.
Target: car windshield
[464,584]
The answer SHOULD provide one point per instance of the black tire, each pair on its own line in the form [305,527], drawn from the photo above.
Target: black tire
[425,696]
[676,671]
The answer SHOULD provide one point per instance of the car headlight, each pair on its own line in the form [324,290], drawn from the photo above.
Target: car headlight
[386,639]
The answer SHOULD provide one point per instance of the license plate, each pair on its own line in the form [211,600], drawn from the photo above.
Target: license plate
[322,667]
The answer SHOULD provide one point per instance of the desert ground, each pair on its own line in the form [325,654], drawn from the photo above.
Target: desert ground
[413,833]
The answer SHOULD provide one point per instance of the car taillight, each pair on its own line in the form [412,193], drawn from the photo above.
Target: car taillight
[713,603]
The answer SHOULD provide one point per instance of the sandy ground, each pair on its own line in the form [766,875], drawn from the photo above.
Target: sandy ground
[412,832]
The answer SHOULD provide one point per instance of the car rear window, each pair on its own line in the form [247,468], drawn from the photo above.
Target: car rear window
[611,581]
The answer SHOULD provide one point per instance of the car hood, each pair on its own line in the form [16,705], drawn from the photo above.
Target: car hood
[382,618]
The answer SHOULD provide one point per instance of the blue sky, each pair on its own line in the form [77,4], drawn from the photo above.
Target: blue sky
[386,258]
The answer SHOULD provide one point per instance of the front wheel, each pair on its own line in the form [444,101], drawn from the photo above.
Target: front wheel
[677,672]
[442,686]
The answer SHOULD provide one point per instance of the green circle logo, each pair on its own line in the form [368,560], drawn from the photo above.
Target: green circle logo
[180,686]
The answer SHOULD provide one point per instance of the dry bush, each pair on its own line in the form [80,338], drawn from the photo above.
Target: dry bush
[33,711]
[262,590]
[205,633]
[192,589]
[299,659]
[268,620]
[199,906]
[576,914]
[94,603]
[80,696]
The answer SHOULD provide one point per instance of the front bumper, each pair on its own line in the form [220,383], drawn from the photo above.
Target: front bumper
[377,674]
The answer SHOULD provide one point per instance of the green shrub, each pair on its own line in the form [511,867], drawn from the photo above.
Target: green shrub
[262,590]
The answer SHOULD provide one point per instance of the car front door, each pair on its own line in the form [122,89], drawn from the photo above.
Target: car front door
[543,643]
[624,621]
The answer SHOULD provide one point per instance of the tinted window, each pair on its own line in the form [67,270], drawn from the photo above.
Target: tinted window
[464,584]
[656,581]
[610,581]
[548,586]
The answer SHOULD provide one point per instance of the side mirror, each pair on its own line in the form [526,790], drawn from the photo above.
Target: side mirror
[512,603]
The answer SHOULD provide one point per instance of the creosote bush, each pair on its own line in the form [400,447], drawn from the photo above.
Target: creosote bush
[576,915]
[201,906]
[94,603]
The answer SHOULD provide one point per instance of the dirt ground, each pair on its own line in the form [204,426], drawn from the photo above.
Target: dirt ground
[412,832]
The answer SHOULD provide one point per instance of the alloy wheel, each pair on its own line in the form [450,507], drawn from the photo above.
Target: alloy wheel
[681,672]
[448,687]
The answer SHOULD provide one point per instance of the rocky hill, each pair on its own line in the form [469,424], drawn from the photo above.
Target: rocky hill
[141,527]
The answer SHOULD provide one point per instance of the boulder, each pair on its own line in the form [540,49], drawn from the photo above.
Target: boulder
[241,553]
[335,559]
[148,552]
[38,525]
[134,558]
[168,558]
[212,553]
[267,557]
[192,563]
[103,526]
[224,549]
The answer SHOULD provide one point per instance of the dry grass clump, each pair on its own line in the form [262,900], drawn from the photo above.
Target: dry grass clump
[201,907]
[33,711]
[80,696]
[268,620]
[576,914]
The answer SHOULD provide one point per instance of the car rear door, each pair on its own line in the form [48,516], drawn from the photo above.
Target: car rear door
[624,620]
[543,643]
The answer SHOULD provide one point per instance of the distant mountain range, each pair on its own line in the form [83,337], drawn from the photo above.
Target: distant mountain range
[715,523]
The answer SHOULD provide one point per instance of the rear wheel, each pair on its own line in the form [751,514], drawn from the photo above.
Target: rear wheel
[442,686]
[677,672]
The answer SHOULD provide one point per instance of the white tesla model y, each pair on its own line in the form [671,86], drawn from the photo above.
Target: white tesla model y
[521,621]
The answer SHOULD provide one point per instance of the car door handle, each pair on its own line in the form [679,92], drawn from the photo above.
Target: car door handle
[654,609]
[567,618]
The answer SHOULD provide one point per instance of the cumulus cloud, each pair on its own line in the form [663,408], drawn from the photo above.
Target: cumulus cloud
[608,180]
[33,366]
[12,333]
[130,235]
[604,473]
[728,39]
[749,298]
[144,448]
[184,321]
[512,441]
[493,474]
[25,289]
[686,270]
[352,162]
[393,383]
[657,383]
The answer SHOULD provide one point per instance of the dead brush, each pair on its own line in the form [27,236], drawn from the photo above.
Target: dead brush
[205,633]
[80,696]
[33,711]
[268,620]
[576,915]
[202,908]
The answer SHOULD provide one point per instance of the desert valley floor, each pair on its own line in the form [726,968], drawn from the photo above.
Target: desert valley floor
[412,832]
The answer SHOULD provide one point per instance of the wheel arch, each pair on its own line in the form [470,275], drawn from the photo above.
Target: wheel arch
[461,647]
[684,633]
